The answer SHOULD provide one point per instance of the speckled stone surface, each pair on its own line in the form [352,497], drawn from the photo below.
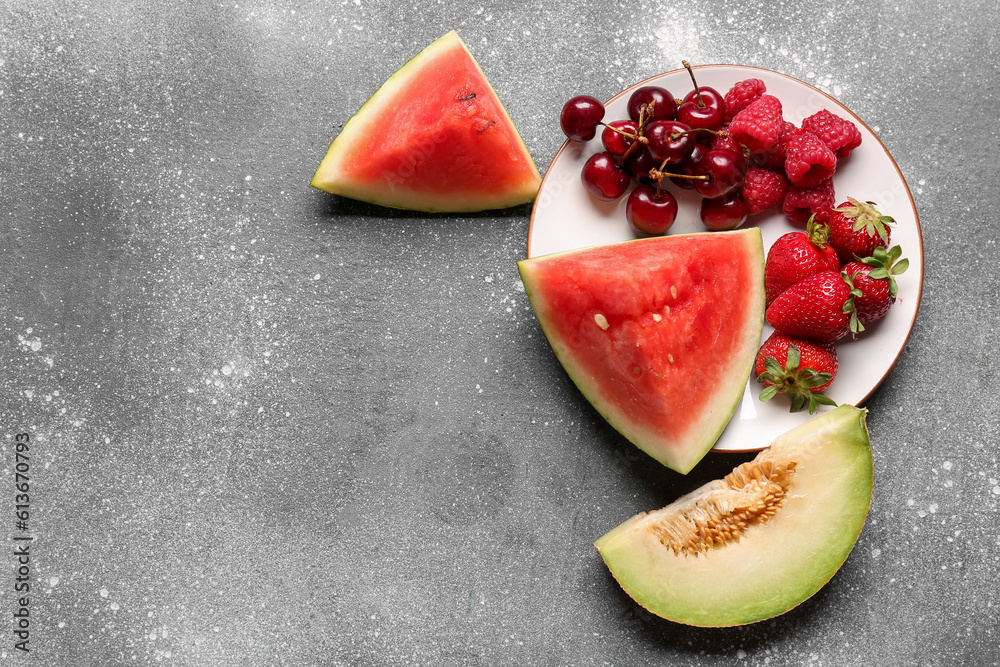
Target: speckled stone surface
[273,427]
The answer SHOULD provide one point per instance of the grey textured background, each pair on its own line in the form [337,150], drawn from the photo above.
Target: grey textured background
[272,427]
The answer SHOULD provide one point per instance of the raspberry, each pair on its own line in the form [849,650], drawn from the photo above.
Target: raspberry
[841,135]
[763,188]
[808,160]
[758,127]
[774,157]
[742,94]
[800,203]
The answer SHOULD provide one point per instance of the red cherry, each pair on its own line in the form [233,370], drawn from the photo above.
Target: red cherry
[650,210]
[602,177]
[724,213]
[638,164]
[665,107]
[614,141]
[580,117]
[669,141]
[724,170]
[703,107]
[687,166]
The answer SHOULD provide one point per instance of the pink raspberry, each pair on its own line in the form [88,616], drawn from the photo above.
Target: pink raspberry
[808,160]
[763,188]
[800,203]
[742,94]
[842,136]
[774,157]
[758,127]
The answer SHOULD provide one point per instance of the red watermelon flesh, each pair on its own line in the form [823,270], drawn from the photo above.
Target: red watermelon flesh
[434,137]
[659,333]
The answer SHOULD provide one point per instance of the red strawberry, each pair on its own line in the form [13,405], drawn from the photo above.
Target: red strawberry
[802,203]
[763,188]
[875,278]
[798,367]
[796,255]
[742,94]
[841,135]
[808,161]
[857,228]
[816,308]
[759,126]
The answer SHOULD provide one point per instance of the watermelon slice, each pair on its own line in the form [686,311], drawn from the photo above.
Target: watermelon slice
[658,333]
[434,137]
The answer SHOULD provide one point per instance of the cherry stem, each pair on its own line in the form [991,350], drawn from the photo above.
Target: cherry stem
[658,174]
[635,137]
[677,135]
[697,92]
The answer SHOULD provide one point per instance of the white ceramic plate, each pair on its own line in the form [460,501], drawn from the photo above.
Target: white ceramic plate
[565,217]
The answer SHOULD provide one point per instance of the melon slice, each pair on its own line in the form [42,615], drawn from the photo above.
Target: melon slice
[434,137]
[758,542]
[659,334]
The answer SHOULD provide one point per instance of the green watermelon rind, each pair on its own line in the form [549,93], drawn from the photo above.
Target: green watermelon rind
[331,177]
[717,415]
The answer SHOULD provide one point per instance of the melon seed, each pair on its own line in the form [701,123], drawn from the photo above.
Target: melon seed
[656,317]
[751,494]
[673,291]
[601,321]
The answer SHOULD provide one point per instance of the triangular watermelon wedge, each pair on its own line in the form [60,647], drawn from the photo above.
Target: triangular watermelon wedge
[434,137]
[658,333]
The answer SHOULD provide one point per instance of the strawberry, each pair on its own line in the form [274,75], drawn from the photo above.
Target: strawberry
[857,228]
[759,126]
[742,94]
[795,255]
[802,203]
[798,367]
[842,136]
[808,161]
[762,189]
[817,307]
[875,278]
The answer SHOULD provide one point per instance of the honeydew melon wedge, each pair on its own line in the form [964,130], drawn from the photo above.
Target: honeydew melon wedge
[758,542]
[434,137]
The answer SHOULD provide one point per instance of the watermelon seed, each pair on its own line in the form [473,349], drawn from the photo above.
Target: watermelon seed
[656,317]
[670,357]
[666,310]
[601,321]
[673,291]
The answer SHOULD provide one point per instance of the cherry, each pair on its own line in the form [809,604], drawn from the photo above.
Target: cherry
[664,107]
[670,142]
[728,212]
[686,167]
[602,177]
[703,107]
[638,165]
[724,170]
[580,117]
[615,136]
[650,210]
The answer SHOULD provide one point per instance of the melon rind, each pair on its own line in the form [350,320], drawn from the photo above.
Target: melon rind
[776,565]
[337,173]
[721,395]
